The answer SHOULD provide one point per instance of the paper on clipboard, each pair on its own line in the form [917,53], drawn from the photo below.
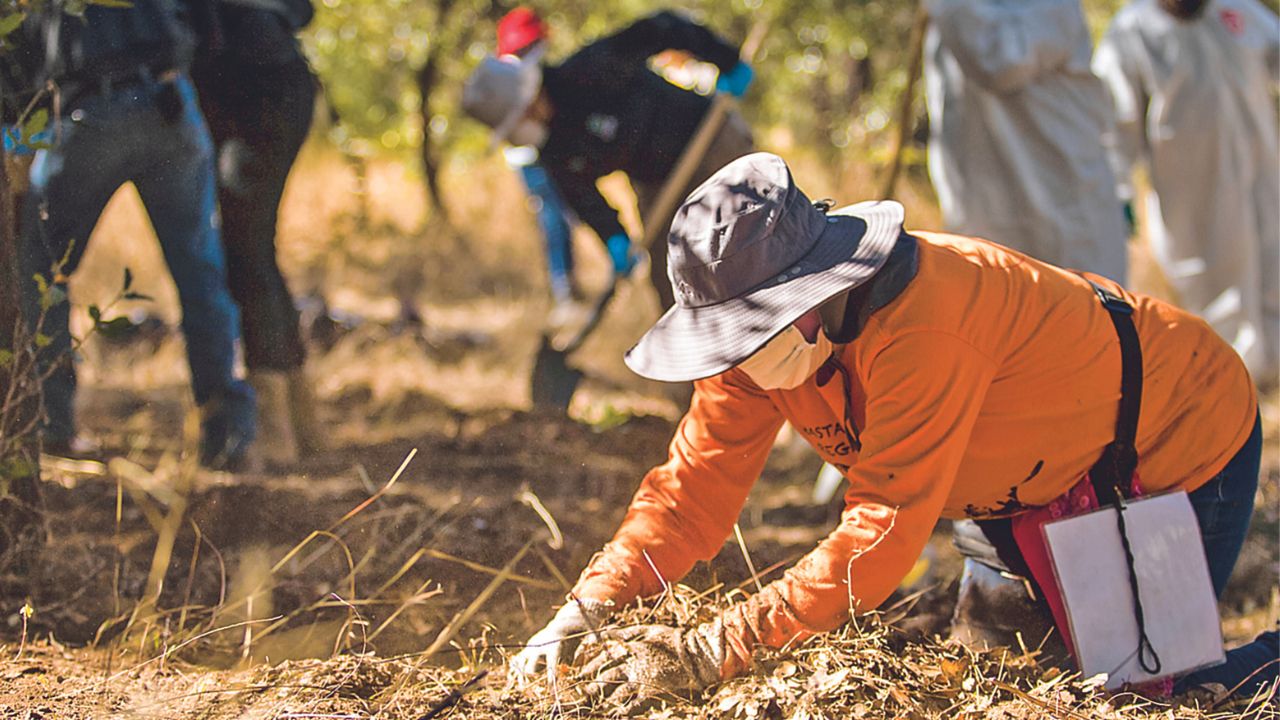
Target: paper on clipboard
[1173,580]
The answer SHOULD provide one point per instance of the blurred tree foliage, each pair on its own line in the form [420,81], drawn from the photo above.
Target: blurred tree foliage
[830,71]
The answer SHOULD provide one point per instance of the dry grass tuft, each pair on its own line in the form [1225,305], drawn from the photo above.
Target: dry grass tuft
[867,670]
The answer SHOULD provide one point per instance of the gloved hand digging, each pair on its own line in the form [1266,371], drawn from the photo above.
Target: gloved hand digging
[736,81]
[576,621]
[631,667]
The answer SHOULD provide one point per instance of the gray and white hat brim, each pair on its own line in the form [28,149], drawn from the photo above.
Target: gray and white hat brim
[531,84]
[690,343]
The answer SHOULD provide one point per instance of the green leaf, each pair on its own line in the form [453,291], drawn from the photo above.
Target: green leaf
[52,296]
[6,357]
[15,467]
[9,23]
[128,279]
[42,340]
[116,328]
[35,124]
[41,283]
[111,3]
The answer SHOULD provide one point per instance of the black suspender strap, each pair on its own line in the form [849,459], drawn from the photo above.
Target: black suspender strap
[1112,474]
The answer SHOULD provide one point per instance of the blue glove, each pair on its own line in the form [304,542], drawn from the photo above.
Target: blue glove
[735,81]
[1130,219]
[624,261]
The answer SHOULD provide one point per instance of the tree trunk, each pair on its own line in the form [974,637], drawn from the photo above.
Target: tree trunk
[427,77]
[20,499]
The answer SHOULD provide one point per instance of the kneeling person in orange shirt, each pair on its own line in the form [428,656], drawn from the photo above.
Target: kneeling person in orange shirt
[946,376]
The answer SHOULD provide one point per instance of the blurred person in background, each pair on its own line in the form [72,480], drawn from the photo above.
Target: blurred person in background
[1015,153]
[258,95]
[523,35]
[937,372]
[603,110]
[129,114]
[1194,85]
[1016,121]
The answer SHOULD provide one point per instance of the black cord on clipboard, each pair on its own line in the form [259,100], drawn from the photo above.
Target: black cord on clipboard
[1114,471]
[1148,659]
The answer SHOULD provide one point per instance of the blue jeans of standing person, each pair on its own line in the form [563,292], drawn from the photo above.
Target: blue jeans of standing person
[1223,506]
[550,210]
[142,132]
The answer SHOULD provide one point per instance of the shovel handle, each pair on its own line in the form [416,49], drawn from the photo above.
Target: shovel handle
[593,319]
[915,51]
[673,189]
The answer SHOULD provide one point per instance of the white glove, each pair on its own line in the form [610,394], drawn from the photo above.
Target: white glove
[578,619]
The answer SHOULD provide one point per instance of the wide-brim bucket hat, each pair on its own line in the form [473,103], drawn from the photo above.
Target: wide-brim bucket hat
[747,255]
[500,91]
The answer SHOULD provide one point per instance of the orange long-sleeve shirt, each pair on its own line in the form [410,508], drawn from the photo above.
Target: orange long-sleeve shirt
[990,384]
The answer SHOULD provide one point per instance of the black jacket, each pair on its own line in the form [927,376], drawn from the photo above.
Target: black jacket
[253,34]
[613,113]
[107,43]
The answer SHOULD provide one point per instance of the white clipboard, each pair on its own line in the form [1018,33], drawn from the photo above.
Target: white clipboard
[1180,609]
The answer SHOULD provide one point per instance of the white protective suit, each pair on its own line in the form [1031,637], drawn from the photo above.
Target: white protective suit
[1016,124]
[1194,103]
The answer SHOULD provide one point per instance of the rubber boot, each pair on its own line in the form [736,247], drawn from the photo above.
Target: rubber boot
[304,412]
[995,608]
[76,447]
[278,446]
[228,428]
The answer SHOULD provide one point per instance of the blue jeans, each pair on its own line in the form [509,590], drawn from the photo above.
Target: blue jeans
[552,220]
[1223,506]
[103,141]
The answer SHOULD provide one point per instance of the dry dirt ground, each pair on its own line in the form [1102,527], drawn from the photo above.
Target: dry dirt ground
[391,574]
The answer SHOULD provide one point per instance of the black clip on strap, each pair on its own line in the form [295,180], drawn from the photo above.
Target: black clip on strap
[1112,475]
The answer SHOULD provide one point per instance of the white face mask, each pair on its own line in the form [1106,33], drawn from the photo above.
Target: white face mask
[787,360]
[528,132]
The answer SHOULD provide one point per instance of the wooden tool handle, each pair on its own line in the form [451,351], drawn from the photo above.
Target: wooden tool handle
[915,53]
[673,189]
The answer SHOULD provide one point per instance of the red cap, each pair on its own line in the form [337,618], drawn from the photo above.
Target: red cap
[519,29]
